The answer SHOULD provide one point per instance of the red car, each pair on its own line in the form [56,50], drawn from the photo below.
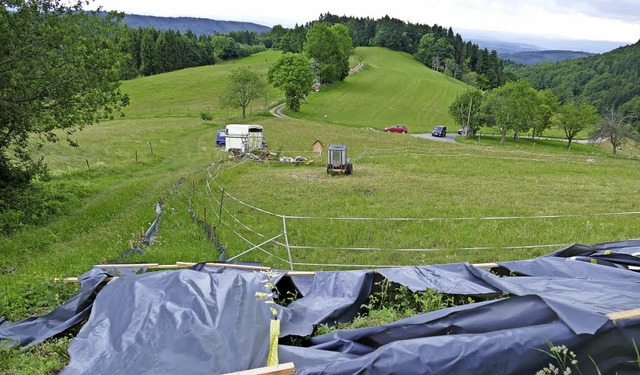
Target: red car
[396,129]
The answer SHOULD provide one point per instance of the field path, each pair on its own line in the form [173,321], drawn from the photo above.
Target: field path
[277,111]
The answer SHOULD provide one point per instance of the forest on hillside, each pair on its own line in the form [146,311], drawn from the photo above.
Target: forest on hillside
[610,80]
[607,81]
[156,51]
[435,46]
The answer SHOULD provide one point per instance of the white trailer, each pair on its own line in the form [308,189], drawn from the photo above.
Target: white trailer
[244,137]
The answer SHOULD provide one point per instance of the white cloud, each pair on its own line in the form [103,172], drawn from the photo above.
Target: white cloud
[616,20]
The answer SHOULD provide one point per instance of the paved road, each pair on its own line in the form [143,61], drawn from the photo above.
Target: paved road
[277,111]
[449,138]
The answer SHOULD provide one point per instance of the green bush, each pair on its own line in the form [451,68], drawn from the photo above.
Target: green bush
[206,116]
[34,203]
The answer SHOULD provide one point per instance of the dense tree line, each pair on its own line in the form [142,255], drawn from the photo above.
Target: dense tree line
[607,81]
[154,52]
[435,46]
[517,107]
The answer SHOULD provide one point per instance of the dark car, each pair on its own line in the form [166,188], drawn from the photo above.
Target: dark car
[221,137]
[439,131]
[397,129]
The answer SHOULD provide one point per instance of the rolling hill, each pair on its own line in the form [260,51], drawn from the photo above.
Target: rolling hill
[199,26]
[608,80]
[393,88]
[537,57]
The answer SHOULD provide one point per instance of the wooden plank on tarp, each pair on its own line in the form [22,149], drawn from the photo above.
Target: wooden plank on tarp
[282,369]
[623,315]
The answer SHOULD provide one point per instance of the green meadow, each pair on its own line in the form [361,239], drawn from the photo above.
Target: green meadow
[409,201]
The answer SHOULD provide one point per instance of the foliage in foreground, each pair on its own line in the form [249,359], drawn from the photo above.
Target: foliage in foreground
[60,70]
[46,358]
[391,302]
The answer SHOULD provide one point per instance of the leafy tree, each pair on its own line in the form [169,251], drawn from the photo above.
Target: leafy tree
[424,54]
[511,107]
[547,106]
[59,70]
[573,118]
[615,128]
[224,47]
[244,85]
[391,33]
[329,48]
[273,36]
[465,111]
[293,40]
[292,74]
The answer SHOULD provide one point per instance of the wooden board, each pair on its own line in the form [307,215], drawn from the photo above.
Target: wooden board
[283,369]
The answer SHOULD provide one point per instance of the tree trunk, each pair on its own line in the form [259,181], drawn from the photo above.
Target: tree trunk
[244,109]
[569,145]
[502,138]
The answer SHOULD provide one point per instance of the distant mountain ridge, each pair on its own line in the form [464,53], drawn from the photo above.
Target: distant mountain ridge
[199,26]
[536,57]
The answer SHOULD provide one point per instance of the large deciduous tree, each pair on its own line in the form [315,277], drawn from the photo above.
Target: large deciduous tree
[244,85]
[573,118]
[615,128]
[547,106]
[512,107]
[59,70]
[292,74]
[465,111]
[329,48]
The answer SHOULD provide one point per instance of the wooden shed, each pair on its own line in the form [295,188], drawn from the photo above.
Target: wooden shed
[317,147]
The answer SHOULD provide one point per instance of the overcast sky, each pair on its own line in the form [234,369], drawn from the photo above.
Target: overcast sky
[611,20]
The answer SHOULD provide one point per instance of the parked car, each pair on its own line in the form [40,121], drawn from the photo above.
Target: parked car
[221,137]
[397,129]
[439,131]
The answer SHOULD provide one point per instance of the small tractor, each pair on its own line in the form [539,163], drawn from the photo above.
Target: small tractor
[338,162]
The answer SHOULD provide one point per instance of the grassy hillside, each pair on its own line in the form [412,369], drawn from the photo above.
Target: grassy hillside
[188,92]
[409,201]
[392,88]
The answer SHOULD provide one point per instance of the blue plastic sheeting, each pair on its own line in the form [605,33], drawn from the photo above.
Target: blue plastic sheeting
[207,320]
[454,278]
[613,254]
[619,290]
[175,322]
[333,297]
[497,337]
[34,330]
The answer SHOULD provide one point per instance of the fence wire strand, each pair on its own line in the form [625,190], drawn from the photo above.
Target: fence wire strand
[217,169]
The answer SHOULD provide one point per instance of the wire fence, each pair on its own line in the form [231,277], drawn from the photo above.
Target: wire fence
[216,194]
